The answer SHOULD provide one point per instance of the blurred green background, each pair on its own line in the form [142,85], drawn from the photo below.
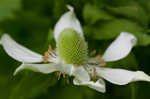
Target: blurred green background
[31,23]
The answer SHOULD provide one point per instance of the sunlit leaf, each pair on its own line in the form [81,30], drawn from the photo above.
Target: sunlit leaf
[110,29]
[134,11]
[93,14]
[7,8]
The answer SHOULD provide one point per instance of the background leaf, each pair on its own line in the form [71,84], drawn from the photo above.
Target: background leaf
[7,8]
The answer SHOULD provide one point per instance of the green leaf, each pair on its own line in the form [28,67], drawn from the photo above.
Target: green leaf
[7,7]
[119,2]
[32,85]
[111,29]
[134,11]
[51,40]
[59,8]
[143,39]
[147,6]
[92,14]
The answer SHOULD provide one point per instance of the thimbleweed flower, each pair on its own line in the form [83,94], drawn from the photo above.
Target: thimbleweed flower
[71,56]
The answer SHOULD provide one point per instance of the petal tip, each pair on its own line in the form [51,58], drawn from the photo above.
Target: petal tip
[141,76]
[67,20]
[70,7]
[5,36]
[15,73]
[130,36]
[19,52]
[18,69]
[120,47]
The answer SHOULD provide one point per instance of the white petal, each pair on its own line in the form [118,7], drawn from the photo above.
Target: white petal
[81,74]
[99,85]
[18,52]
[120,48]
[43,68]
[121,76]
[78,72]
[66,68]
[67,20]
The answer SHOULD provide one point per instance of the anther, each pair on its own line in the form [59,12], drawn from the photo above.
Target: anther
[47,54]
[94,70]
[93,52]
[50,49]
[94,76]
[102,62]
[58,74]
[45,57]
[64,75]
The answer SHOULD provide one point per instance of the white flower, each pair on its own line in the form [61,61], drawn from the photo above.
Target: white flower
[83,68]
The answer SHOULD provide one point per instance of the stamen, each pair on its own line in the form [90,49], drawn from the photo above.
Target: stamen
[50,49]
[94,70]
[49,53]
[64,75]
[45,57]
[93,52]
[91,71]
[58,74]
[93,74]
[102,62]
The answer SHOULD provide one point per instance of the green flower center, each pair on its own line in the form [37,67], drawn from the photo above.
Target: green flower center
[71,47]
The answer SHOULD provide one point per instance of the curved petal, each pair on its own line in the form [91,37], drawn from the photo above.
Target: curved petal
[67,20]
[81,74]
[66,68]
[99,85]
[78,72]
[121,76]
[18,52]
[119,48]
[43,68]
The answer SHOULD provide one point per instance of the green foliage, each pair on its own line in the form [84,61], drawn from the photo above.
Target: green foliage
[143,39]
[111,29]
[32,85]
[92,14]
[133,11]
[7,8]
[51,38]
